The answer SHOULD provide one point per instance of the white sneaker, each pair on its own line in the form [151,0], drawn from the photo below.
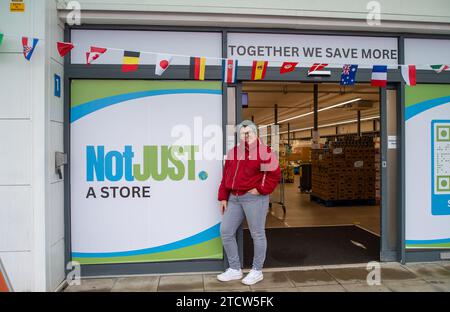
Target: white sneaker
[253,277]
[230,275]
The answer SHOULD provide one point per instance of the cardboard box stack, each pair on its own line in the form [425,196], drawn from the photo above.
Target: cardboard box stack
[345,170]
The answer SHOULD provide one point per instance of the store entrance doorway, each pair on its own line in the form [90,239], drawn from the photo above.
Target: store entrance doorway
[326,209]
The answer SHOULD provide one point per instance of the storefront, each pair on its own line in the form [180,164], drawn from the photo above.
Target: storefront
[141,196]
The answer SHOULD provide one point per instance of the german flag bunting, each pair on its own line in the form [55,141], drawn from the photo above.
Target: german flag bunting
[198,68]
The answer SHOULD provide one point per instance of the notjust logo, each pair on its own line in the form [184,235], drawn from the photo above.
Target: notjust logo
[158,163]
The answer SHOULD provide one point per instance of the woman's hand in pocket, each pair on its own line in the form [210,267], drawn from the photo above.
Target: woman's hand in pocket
[254,191]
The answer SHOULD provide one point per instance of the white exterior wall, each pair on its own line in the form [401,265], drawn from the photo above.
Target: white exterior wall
[400,10]
[31,129]
[419,16]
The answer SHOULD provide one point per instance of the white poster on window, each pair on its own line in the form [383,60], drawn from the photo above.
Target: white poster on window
[144,179]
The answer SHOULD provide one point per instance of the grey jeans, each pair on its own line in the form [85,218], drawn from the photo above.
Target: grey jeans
[254,208]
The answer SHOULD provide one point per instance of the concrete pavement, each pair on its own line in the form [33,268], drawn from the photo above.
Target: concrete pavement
[420,277]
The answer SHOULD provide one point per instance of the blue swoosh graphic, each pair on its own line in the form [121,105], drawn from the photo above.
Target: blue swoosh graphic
[420,107]
[201,237]
[430,241]
[82,110]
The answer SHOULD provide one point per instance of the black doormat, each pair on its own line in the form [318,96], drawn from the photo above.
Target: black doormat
[315,246]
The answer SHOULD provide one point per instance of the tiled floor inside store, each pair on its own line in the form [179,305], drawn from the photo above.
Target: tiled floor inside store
[301,212]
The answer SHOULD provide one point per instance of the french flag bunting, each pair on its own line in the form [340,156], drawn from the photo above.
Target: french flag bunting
[379,76]
[229,70]
[29,44]
[409,74]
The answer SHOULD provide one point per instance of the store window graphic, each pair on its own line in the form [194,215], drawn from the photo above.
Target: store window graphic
[443,183]
[443,133]
[441,167]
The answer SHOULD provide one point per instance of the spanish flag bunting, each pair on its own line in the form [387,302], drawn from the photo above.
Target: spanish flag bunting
[259,70]
[130,61]
[198,66]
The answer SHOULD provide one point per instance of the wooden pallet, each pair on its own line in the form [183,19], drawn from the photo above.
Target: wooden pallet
[342,202]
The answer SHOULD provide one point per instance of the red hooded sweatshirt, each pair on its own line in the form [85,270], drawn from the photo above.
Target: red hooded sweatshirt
[249,166]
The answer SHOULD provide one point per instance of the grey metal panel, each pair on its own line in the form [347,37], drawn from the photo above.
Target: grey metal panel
[66,143]
[392,176]
[401,49]
[401,172]
[425,255]
[383,188]
[181,72]
[175,72]
[389,183]
[225,263]
[149,268]
[401,218]
[260,30]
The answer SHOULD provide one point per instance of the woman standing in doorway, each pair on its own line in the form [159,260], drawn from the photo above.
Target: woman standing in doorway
[250,174]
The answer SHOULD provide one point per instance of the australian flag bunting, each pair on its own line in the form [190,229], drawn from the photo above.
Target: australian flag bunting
[348,75]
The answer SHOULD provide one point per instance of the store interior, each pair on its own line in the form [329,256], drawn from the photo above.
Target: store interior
[329,196]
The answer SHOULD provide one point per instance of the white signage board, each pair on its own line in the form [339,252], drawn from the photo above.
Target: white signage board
[308,49]
[392,141]
[425,52]
[168,42]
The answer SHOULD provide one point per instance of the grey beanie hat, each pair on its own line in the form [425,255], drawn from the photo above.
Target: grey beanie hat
[247,123]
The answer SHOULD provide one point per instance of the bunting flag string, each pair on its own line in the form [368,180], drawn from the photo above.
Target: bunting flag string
[440,67]
[287,67]
[162,63]
[93,54]
[259,69]
[198,68]
[379,76]
[29,44]
[130,62]
[348,76]
[409,74]
[64,48]
[229,70]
